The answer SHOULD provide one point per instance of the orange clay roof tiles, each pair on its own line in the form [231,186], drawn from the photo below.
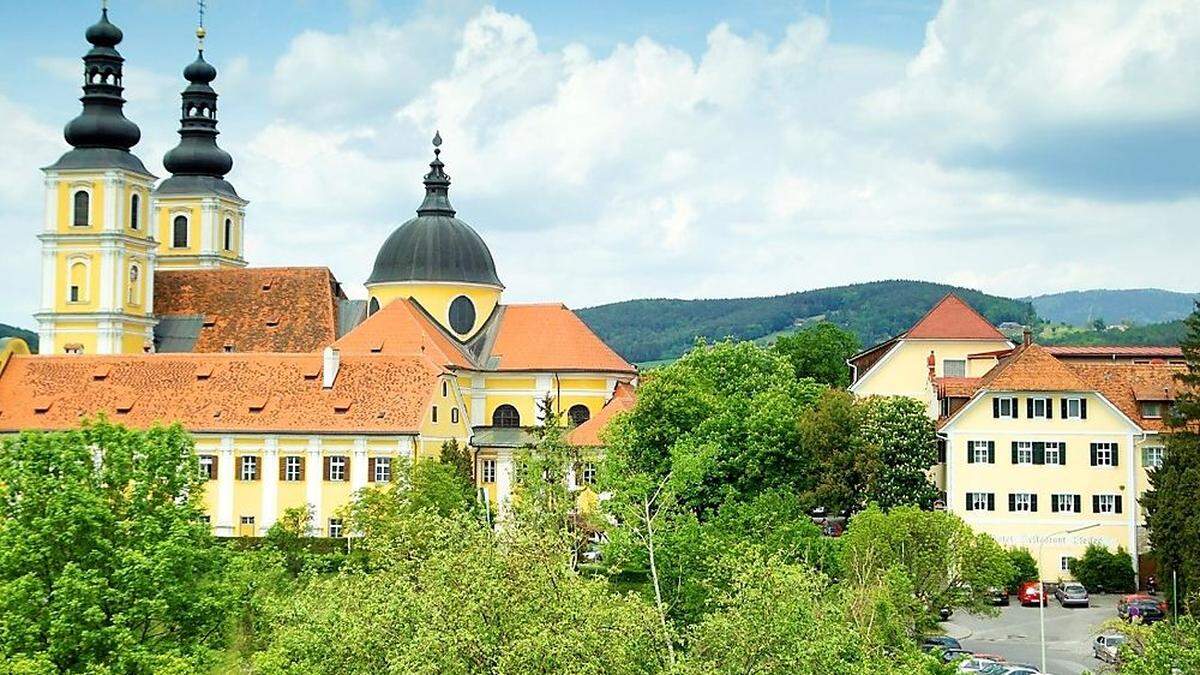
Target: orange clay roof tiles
[1117,350]
[1032,368]
[402,328]
[551,337]
[1121,382]
[243,393]
[588,434]
[266,309]
[957,387]
[952,318]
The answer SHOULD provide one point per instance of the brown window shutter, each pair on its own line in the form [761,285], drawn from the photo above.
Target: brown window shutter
[216,466]
[282,467]
[346,476]
[237,470]
[370,469]
[303,460]
[326,468]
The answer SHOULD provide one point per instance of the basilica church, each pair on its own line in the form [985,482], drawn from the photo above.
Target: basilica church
[296,394]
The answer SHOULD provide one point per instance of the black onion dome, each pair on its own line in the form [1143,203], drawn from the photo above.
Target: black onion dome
[435,246]
[197,164]
[101,134]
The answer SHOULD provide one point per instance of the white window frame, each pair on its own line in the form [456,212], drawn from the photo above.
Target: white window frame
[337,468]
[1064,563]
[1011,402]
[587,473]
[383,470]
[187,239]
[1064,502]
[454,415]
[487,471]
[946,367]
[249,467]
[1077,402]
[1044,403]
[979,452]
[1055,447]
[1158,406]
[1024,447]
[1110,448]
[979,501]
[291,468]
[335,526]
[1107,504]
[1158,451]
[206,466]
[82,187]
[1022,502]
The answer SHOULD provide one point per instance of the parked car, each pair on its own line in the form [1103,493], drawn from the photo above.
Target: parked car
[1141,608]
[1105,647]
[939,642]
[1072,594]
[977,664]
[998,596]
[1010,669]
[952,655]
[1031,593]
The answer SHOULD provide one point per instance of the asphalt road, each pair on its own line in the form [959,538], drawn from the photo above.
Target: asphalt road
[1015,634]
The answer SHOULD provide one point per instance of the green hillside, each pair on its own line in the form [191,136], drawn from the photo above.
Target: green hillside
[1139,306]
[12,331]
[649,330]
[1167,334]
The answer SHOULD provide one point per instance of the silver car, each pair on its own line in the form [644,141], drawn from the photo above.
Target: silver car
[1107,647]
[1072,594]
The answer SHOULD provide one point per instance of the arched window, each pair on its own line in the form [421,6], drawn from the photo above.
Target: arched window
[506,416]
[134,203]
[77,276]
[578,414]
[83,202]
[373,306]
[179,233]
[228,234]
[134,275]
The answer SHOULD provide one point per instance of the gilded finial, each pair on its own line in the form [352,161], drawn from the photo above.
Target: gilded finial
[200,32]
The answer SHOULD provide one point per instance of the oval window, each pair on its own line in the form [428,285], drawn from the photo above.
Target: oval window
[462,315]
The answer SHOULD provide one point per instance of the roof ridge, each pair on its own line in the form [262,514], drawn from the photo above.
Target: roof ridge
[973,315]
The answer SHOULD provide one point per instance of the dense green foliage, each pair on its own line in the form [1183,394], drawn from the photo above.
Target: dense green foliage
[1170,503]
[105,564]
[1165,647]
[1025,568]
[650,330]
[1138,305]
[820,352]
[901,435]
[1166,334]
[1100,569]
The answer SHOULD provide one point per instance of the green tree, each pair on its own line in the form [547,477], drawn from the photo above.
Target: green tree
[1100,569]
[1025,568]
[1171,516]
[459,457]
[904,440]
[105,563]
[288,536]
[1167,647]
[842,464]
[819,352]
[947,563]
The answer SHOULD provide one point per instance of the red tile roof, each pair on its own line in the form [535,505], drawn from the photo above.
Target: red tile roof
[1123,383]
[1117,351]
[265,309]
[551,337]
[957,387]
[402,328]
[1032,368]
[269,393]
[953,319]
[588,434]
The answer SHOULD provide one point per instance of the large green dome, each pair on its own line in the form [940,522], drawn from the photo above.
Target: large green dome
[435,246]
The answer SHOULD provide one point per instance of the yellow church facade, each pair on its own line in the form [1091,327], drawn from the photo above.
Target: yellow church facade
[296,395]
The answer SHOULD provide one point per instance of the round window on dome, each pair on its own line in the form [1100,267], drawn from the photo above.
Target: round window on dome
[462,315]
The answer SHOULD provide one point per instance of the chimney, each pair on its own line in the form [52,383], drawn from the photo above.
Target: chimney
[932,363]
[1027,337]
[331,364]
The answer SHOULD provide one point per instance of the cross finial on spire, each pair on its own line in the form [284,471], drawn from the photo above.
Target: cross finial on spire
[200,32]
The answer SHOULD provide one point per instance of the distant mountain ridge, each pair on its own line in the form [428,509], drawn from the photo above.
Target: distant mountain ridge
[1135,305]
[658,329]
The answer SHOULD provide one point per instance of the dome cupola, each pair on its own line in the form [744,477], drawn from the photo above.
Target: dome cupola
[435,246]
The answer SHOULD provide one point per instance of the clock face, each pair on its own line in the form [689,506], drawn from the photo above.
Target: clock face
[462,315]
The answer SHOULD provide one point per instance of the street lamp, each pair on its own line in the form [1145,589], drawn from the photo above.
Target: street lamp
[1042,599]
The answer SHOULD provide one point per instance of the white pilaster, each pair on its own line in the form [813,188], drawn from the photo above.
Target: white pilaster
[408,448]
[209,218]
[108,277]
[358,465]
[270,482]
[312,483]
[544,388]
[112,202]
[226,466]
[1131,505]
[504,475]
[49,275]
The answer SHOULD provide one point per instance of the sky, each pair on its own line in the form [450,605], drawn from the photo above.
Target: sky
[683,148]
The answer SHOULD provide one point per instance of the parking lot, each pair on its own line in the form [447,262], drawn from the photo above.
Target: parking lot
[1015,635]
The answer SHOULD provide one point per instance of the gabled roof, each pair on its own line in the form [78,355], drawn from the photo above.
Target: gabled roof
[551,337]
[1127,384]
[953,319]
[1032,368]
[265,309]
[402,329]
[957,387]
[269,393]
[588,434]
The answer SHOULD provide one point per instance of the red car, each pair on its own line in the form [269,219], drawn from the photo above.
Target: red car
[1030,593]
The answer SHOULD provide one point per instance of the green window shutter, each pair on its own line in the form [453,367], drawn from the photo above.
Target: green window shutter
[1078,504]
[1118,504]
[970,452]
[1093,449]
[991,501]
[995,407]
[1050,408]
[1063,409]
[1029,408]
[1033,503]
[1083,408]
[969,502]
[1053,504]
[1015,414]
[1012,502]
[991,452]
[1039,453]
[1062,454]
[1014,452]
[1116,453]
[1095,503]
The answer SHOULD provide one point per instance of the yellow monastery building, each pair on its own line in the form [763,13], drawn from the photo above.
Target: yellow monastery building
[1045,448]
[296,395]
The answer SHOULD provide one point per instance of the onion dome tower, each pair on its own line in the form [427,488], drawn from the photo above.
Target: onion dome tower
[97,242]
[199,213]
[438,261]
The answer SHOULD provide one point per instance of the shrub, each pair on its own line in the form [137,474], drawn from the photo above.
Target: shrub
[1025,568]
[1102,570]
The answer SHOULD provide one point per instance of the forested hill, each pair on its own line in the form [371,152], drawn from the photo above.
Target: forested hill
[29,337]
[1136,305]
[651,330]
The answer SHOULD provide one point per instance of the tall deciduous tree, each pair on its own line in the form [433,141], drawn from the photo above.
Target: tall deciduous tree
[905,443]
[819,352]
[105,563]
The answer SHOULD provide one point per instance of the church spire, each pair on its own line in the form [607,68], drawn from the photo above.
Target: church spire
[437,185]
[101,135]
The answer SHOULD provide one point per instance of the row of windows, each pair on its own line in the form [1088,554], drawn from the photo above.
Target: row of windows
[586,474]
[1027,502]
[1040,407]
[291,468]
[506,416]
[336,529]
[78,277]
[179,233]
[1050,452]
[179,227]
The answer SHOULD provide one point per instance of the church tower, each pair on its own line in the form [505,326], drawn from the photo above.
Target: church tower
[197,214]
[98,246]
